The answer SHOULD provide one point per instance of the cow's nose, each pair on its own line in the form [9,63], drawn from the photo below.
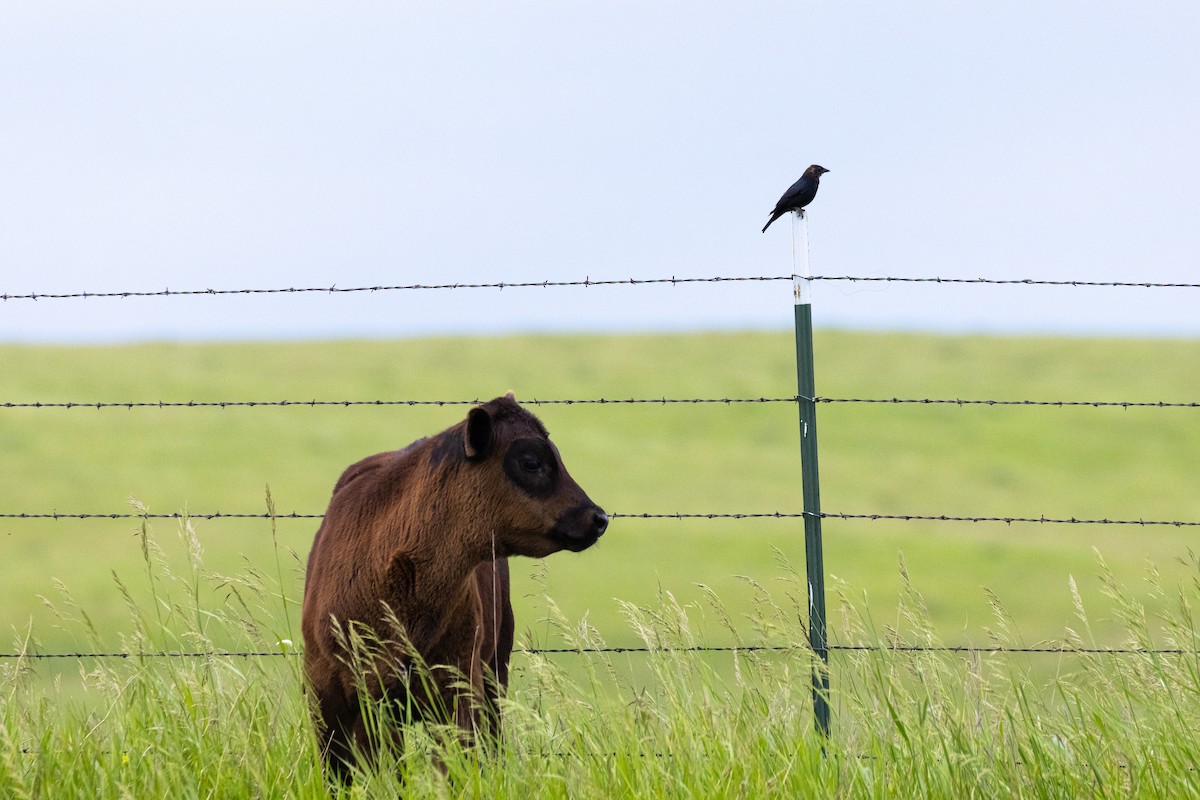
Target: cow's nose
[599,522]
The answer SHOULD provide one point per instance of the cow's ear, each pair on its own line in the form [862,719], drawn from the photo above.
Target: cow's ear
[479,436]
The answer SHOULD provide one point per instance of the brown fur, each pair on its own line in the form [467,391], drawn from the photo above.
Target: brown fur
[418,539]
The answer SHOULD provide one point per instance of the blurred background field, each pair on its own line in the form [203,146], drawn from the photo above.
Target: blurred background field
[709,458]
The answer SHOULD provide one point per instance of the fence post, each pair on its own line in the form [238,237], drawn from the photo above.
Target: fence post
[806,391]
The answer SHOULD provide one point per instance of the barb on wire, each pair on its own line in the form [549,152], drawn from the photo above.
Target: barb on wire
[599,401]
[334,289]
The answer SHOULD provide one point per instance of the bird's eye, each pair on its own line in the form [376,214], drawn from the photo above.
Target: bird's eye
[530,462]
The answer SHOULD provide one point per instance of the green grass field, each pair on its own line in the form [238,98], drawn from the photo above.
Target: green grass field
[972,461]
[888,459]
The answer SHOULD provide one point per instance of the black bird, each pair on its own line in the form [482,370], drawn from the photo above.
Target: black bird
[799,195]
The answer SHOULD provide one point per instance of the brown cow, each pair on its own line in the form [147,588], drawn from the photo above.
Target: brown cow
[414,547]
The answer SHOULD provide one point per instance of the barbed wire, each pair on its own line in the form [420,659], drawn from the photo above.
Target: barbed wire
[752,648]
[334,289]
[55,515]
[966,402]
[758,515]
[917,518]
[585,282]
[1007,281]
[601,401]
[352,403]
[1041,520]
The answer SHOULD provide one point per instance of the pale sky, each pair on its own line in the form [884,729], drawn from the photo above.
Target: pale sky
[264,145]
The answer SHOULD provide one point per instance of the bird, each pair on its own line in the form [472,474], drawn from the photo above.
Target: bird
[800,194]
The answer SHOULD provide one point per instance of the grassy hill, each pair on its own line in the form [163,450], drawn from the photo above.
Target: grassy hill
[888,459]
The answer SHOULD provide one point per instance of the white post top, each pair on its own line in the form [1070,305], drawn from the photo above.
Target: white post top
[801,268]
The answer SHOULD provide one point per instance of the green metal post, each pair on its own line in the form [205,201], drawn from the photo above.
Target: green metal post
[807,392]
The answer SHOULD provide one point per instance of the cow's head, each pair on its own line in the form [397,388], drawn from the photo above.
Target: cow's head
[529,501]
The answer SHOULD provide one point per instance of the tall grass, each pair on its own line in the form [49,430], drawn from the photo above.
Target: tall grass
[152,726]
[671,722]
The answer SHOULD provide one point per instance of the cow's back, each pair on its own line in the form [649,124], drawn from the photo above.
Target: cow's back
[343,574]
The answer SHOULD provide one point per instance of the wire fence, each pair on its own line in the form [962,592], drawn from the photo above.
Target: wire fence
[1061,650]
[679,515]
[599,401]
[660,401]
[583,283]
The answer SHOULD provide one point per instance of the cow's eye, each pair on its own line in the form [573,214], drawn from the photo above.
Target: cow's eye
[531,465]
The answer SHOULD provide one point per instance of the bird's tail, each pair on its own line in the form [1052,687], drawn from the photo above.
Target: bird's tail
[772,219]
